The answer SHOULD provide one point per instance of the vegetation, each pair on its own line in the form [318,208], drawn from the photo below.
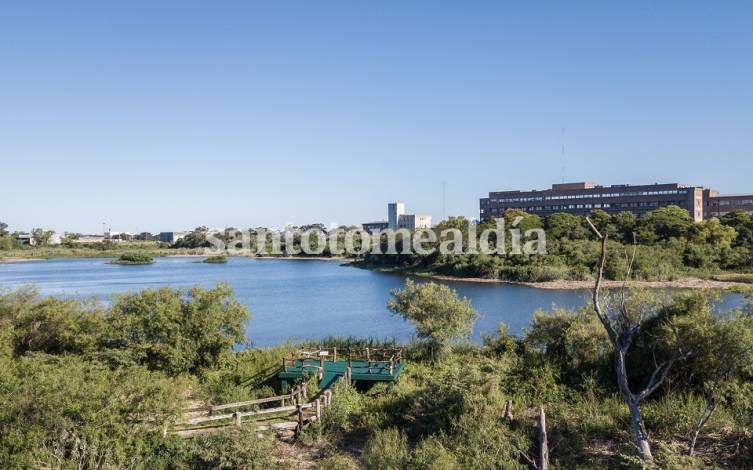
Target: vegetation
[670,246]
[219,259]
[439,316]
[84,385]
[133,258]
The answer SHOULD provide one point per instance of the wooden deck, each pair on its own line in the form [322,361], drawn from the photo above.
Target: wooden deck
[351,366]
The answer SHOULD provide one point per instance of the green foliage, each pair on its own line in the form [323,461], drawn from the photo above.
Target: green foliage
[386,450]
[58,411]
[134,258]
[219,259]
[440,317]
[337,462]
[170,332]
[234,448]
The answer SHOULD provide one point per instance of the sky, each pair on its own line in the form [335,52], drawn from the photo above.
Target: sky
[160,116]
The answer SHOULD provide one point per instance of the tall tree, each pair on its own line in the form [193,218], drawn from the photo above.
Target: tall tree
[622,323]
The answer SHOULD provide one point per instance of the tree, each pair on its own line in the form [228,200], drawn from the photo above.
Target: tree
[169,331]
[41,237]
[439,315]
[718,355]
[3,232]
[623,321]
[664,223]
[564,225]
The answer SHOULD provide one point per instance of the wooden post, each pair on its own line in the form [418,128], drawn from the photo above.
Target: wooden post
[543,463]
[300,418]
[237,417]
[368,355]
[334,353]
[318,408]
[349,373]
[164,430]
[283,364]
[508,410]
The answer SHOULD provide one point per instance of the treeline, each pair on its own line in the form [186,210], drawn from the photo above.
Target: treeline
[669,246]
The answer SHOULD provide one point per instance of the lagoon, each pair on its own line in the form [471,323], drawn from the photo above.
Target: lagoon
[288,299]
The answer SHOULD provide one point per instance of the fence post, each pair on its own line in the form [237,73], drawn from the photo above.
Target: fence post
[318,408]
[300,418]
[334,350]
[368,355]
[237,417]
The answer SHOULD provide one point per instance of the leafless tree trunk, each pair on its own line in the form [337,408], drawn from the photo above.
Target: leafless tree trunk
[543,442]
[622,329]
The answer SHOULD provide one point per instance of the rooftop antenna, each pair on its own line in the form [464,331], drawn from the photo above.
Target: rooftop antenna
[444,199]
[562,156]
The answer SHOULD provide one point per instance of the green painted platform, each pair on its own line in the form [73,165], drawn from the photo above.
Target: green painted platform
[361,371]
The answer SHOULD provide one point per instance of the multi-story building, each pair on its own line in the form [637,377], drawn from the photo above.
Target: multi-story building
[581,198]
[715,205]
[397,219]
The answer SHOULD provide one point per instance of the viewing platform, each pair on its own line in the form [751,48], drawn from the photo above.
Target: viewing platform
[350,365]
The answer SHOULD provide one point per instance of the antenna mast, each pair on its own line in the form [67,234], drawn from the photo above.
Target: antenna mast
[562,156]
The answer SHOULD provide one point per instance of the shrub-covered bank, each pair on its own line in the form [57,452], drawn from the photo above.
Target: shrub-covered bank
[84,386]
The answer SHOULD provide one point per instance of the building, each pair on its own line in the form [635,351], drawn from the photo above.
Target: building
[395,210]
[581,198]
[24,238]
[397,219]
[85,239]
[715,205]
[414,221]
[172,237]
[372,227]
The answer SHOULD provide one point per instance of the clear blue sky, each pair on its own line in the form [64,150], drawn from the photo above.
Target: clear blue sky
[168,115]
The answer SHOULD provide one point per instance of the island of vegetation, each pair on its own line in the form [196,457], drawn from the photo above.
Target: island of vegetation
[133,259]
[219,259]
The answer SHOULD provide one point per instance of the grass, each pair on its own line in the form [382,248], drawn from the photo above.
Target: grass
[219,259]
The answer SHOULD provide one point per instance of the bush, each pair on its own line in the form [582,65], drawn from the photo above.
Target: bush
[133,258]
[337,462]
[234,448]
[386,450]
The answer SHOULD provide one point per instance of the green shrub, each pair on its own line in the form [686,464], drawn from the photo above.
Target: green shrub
[337,462]
[133,258]
[386,450]
[234,448]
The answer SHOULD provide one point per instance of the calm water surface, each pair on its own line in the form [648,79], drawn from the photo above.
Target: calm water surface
[288,299]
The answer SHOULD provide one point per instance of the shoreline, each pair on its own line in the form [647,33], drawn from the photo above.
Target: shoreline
[560,284]
[563,284]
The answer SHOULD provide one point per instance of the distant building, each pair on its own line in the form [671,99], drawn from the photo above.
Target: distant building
[55,239]
[372,227]
[395,210]
[172,237]
[715,205]
[24,238]
[397,219]
[85,239]
[581,198]
[118,236]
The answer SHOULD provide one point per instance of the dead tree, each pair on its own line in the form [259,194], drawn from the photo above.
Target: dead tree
[543,442]
[622,328]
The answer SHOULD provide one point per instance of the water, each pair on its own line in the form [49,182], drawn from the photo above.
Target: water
[288,299]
